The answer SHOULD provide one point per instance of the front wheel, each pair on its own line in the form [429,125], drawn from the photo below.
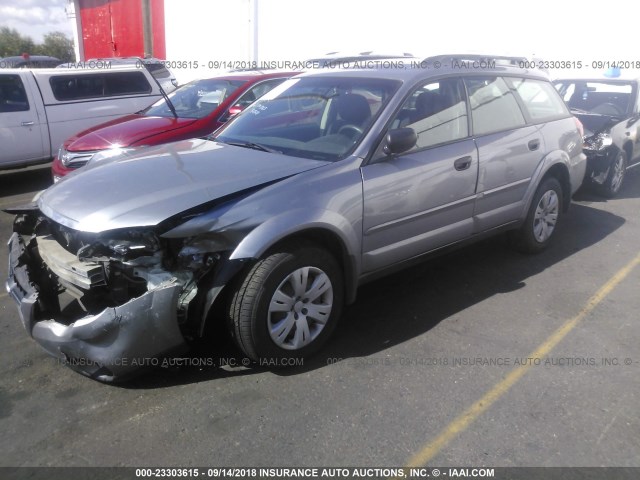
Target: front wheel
[542,219]
[617,171]
[287,304]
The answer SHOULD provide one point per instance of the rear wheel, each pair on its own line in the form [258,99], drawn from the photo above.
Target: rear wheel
[615,177]
[287,304]
[542,219]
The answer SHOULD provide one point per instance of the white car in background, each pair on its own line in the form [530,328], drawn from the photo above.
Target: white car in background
[156,67]
[41,108]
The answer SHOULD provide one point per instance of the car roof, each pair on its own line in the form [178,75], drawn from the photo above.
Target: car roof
[333,58]
[75,68]
[407,69]
[56,72]
[247,75]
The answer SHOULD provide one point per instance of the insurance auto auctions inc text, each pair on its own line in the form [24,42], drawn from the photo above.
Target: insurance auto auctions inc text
[365,472]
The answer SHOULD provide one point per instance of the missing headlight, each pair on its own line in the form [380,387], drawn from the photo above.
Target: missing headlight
[200,253]
[598,142]
[122,245]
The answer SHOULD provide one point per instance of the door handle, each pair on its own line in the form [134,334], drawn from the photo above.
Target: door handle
[27,124]
[462,163]
[534,145]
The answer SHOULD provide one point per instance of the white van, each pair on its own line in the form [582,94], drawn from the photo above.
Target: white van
[39,109]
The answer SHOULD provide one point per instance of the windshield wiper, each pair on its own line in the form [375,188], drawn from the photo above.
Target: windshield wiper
[254,146]
[162,92]
[579,110]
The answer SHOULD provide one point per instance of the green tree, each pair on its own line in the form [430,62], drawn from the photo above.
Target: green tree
[57,44]
[12,43]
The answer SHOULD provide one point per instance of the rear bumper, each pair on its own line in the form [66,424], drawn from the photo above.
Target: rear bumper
[109,346]
[578,172]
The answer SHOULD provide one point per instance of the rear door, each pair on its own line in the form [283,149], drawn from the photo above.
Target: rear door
[21,127]
[509,151]
[422,199]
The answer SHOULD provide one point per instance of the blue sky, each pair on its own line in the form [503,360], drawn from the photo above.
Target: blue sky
[35,18]
[550,29]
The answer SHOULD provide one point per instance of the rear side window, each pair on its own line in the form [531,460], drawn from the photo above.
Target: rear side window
[158,70]
[252,95]
[78,87]
[256,92]
[13,97]
[493,105]
[541,100]
[196,99]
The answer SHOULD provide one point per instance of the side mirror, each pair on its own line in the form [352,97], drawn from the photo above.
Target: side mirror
[400,140]
[633,120]
[233,111]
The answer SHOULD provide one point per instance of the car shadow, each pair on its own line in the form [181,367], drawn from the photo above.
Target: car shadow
[630,189]
[405,305]
[26,180]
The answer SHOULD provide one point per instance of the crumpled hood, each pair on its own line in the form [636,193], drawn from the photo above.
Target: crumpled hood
[594,123]
[158,182]
[124,131]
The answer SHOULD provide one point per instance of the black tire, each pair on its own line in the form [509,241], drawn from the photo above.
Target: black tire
[249,315]
[615,177]
[535,233]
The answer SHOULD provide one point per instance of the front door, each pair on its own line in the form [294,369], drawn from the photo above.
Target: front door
[21,129]
[422,199]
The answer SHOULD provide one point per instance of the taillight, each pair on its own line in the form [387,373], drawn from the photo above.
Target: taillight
[580,126]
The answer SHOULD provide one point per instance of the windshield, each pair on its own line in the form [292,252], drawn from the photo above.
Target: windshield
[612,98]
[196,99]
[322,118]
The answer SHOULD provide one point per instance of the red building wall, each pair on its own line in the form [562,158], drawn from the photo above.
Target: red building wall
[157,25]
[113,28]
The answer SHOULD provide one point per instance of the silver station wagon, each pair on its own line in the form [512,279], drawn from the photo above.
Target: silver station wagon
[334,178]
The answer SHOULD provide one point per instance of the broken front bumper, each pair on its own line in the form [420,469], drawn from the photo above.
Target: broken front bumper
[110,345]
[598,163]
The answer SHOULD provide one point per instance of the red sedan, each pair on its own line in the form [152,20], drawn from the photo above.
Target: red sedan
[195,110]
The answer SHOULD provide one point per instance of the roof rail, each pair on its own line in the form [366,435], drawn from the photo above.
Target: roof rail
[503,59]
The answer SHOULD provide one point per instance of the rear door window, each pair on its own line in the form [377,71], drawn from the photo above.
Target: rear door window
[13,97]
[493,105]
[541,101]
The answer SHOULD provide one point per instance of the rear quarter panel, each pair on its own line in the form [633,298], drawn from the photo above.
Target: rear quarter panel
[565,145]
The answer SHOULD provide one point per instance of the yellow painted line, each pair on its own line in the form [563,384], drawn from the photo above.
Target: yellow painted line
[462,422]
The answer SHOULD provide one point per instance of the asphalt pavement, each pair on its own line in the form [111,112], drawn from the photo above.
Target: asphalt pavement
[484,357]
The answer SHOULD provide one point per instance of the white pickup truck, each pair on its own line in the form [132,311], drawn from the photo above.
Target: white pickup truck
[39,109]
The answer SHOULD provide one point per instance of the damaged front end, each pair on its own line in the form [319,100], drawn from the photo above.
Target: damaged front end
[598,145]
[600,151]
[111,303]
